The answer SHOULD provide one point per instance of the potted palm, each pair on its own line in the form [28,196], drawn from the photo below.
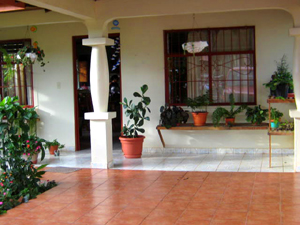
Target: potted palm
[132,142]
[275,118]
[200,104]
[256,115]
[229,115]
[53,146]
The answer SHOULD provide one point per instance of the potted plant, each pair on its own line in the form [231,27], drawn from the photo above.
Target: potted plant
[275,118]
[201,102]
[229,115]
[172,117]
[282,80]
[32,146]
[132,142]
[256,115]
[53,146]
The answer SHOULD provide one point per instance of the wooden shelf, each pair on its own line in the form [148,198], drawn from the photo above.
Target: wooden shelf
[280,100]
[281,133]
[210,126]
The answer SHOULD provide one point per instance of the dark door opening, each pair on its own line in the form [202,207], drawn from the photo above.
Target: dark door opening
[82,94]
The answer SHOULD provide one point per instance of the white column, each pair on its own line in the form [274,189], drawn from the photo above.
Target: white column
[296,113]
[100,119]
[99,75]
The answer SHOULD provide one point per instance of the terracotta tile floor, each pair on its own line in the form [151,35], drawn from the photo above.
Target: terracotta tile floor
[94,196]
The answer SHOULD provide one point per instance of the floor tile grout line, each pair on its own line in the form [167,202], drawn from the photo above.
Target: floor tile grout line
[220,162]
[241,162]
[192,197]
[201,162]
[164,196]
[220,201]
[280,200]
[250,203]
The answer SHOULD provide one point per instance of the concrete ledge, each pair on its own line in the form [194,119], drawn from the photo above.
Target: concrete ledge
[295,31]
[100,116]
[98,41]
[294,113]
[216,151]
[102,165]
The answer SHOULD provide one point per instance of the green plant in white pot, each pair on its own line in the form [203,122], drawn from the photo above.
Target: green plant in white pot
[132,142]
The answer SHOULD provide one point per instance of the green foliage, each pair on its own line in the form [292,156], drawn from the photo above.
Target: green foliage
[280,98]
[220,112]
[286,126]
[275,115]
[18,177]
[48,144]
[201,102]
[20,58]
[281,76]
[171,117]
[256,115]
[136,113]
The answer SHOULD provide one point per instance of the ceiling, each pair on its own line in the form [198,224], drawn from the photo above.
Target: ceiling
[14,6]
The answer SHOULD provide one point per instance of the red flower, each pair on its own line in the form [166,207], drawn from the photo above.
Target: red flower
[28,146]
[39,52]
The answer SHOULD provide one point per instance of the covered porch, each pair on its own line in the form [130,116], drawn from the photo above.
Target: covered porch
[141,31]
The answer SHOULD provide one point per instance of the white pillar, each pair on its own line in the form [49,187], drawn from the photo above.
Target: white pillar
[99,75]
[100,119]
[296,113]
[101,139]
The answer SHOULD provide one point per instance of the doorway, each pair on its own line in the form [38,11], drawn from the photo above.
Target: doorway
[82,94]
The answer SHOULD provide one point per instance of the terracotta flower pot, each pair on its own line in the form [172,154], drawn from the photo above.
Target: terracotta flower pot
[229,121]
[33,157]
[199,118]
[52,149]
[132,147]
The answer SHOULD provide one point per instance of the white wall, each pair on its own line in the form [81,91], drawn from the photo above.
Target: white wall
[142,55]
[53,88]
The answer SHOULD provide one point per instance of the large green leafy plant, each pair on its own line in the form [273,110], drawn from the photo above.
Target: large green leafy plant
[282,76]
[18,177]
[136,113]
[256,115]
[200,102]
[221,112]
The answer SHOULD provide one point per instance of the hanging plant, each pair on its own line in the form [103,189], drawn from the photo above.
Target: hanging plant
[29,54]
[25,56]
[194,47]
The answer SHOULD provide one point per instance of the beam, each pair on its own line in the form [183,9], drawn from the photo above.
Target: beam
[81,9]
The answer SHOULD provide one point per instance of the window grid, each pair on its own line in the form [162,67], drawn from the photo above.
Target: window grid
[246,53]
[24,87]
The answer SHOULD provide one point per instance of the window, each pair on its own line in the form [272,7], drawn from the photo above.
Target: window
[226,66]
[21,83]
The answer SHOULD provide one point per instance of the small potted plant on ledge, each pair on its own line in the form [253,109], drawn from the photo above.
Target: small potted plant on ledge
[53,146]
[275,118]
[201,102]
[229,115]
[132,142]
[172,117]
[256,115]
[32,146]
